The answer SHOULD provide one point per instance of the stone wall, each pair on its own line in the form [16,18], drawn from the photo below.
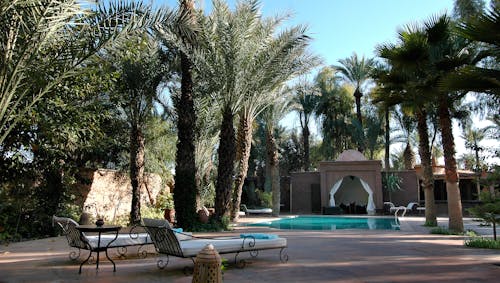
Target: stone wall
[109,192]
[409,188]
[300,194]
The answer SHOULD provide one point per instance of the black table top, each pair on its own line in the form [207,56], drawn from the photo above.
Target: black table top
[94,228]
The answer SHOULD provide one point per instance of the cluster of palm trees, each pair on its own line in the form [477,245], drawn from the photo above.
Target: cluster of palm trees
[221,70]
[238,65]
[430,69]
[329,99]
[229,69]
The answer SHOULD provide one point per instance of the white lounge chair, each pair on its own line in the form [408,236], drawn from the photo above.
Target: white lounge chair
[79,240]
[412,207]
[168,244]
[256,210]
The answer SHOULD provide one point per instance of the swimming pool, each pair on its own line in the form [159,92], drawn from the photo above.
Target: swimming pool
[330,223]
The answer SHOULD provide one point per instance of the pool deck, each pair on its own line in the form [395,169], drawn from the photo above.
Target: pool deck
[408,255]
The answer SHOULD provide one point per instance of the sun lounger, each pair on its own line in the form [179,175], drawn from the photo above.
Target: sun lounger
[412,207]
[256,210]
[168,244]
[80,240]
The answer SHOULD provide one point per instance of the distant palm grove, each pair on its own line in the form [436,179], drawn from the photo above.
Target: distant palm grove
[197,97]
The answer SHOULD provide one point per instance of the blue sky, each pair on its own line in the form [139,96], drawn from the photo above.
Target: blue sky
[341,27]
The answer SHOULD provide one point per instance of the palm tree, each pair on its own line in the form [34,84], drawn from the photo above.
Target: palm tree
[46,42]
[333,112]
[483,77]
[305,102]
[205,144]
[271,117]
[395,86]
[473,136]
[407,125]
[141,71]
[266,67]
[467,9]
[356,71]
[181,35]
[242,61]
[435,53]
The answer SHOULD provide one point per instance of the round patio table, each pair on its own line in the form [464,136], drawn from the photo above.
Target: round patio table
[98,248]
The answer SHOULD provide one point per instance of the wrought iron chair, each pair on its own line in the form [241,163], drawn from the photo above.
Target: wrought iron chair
[80,240]
[167,243]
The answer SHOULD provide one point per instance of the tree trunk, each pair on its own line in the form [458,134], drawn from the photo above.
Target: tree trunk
[136,171]
[305,136]
[227,156]
[357,96]
[387,141]
[272,153]
[267,175]
[451,174]
[51,196]
[185,167]
[409,157]
[244,144]
[428,177]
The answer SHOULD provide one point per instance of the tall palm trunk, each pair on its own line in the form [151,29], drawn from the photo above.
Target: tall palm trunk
[52,195]
[227,156]
[136,171]
[408,157]
[185,167]
[357,96]
[387,140]
[428,177]
[244,144]
[451,174]
[267,175]
[305,136]
[272,153]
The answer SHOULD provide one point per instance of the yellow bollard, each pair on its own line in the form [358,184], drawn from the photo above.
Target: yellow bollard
[207,266]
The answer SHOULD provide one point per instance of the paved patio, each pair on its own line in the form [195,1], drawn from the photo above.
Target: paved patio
[409,255]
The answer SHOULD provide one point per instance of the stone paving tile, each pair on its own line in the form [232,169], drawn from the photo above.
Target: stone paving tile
[410,255]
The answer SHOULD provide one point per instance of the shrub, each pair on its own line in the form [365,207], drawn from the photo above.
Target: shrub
[440,231]
[445,231]
[484,243]
[266,198]
[212,225]
[489,211]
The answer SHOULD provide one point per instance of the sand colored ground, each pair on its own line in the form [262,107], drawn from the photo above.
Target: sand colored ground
[409,255]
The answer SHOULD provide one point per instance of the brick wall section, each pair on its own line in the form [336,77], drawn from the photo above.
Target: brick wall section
[409,188]
[301,191]
[111,192]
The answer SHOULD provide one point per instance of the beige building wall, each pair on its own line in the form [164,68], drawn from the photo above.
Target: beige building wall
[367,170]
[409,188]
[109,192]
[300,192]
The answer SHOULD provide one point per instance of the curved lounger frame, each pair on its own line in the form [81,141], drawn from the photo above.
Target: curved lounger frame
[167,243]
[80,241]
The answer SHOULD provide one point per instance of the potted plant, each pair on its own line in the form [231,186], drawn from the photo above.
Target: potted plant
[165,200]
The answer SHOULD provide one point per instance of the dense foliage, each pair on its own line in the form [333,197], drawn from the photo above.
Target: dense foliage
[199,98]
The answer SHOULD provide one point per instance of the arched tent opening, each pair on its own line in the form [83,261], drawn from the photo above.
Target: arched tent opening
[352,190]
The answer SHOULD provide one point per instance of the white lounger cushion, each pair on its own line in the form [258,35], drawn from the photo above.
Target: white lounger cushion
[125,240]
[260,210]
[230,245]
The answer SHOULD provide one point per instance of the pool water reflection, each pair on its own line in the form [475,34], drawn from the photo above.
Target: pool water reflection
[330,223]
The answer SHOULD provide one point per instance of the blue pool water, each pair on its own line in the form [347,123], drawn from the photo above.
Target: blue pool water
[330,223]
